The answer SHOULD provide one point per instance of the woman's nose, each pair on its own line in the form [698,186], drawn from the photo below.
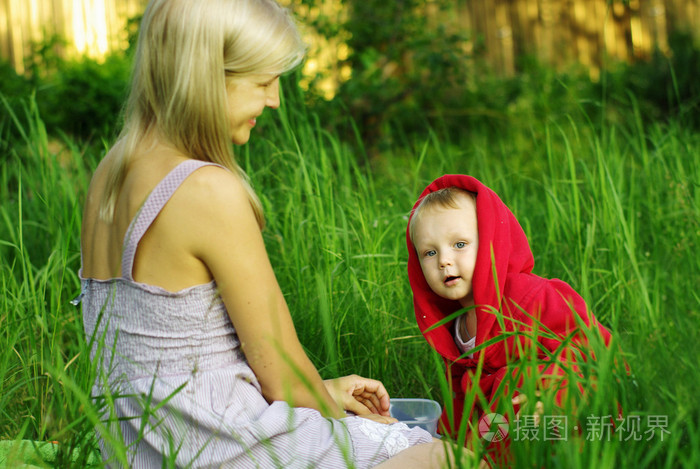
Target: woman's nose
[273,95]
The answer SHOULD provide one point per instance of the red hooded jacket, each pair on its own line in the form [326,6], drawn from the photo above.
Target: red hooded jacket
[518,294]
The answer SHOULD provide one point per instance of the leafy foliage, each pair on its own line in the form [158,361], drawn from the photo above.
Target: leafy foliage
[13,90]
[404,67]
[84,98]
[666,86]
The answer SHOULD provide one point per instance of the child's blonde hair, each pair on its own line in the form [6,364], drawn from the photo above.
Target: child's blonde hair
[187,52]
[445,198]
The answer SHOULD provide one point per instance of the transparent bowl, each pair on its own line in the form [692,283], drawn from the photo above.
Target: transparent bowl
[423,413]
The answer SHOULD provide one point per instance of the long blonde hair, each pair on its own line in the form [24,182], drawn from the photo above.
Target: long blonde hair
[186,52]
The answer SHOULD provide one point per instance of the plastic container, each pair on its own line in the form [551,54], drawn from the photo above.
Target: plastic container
[423,413]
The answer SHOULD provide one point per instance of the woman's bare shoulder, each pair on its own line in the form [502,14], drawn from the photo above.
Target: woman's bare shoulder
[217,224]
[213,188]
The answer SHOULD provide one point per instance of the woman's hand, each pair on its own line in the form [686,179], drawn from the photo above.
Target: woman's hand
[379,418]
[361,396]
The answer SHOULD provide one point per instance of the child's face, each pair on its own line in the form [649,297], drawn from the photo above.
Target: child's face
[446,241]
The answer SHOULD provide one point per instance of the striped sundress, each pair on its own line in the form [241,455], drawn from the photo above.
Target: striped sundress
[174,385]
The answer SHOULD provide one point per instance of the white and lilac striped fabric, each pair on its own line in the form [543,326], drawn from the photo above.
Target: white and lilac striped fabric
[182,390]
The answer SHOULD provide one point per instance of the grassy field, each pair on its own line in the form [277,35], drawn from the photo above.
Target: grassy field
[613,209]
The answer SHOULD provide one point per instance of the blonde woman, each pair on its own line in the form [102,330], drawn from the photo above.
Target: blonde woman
[199,361]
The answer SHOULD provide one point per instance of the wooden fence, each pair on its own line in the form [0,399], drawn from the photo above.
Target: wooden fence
[90,27]
[589,32]
[557,31]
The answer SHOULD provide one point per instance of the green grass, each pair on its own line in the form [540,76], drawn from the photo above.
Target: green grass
[613,210]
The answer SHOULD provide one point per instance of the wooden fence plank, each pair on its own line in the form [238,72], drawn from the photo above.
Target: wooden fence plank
[88,27]
[4,30]
[16,36]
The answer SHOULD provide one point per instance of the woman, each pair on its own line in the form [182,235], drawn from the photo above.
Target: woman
[200,363]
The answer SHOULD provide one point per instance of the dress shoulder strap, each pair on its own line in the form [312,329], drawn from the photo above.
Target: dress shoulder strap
[151,208]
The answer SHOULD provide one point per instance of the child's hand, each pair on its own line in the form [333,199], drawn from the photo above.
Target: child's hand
[521,400]
[361,396]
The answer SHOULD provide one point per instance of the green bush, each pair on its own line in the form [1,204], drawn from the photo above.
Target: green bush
[13,90]
[404,68]
[664,86]
[410,74]
[84,98]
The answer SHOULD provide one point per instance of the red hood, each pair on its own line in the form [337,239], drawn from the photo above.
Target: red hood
[498,231]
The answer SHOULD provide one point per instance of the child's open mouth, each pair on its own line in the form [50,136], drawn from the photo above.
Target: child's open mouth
[451,280]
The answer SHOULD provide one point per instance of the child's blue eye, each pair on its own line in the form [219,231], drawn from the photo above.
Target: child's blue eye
[460,244]
[430,253]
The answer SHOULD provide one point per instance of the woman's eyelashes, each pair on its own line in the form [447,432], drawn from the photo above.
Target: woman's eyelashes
[268,83]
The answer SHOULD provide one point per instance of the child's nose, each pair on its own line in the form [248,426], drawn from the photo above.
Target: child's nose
[445,261]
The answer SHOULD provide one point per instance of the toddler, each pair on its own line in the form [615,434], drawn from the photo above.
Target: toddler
[467,252]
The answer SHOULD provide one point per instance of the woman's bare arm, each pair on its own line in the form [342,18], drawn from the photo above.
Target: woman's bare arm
[224,234]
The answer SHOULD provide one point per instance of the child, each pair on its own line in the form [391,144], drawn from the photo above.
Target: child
[467,251]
